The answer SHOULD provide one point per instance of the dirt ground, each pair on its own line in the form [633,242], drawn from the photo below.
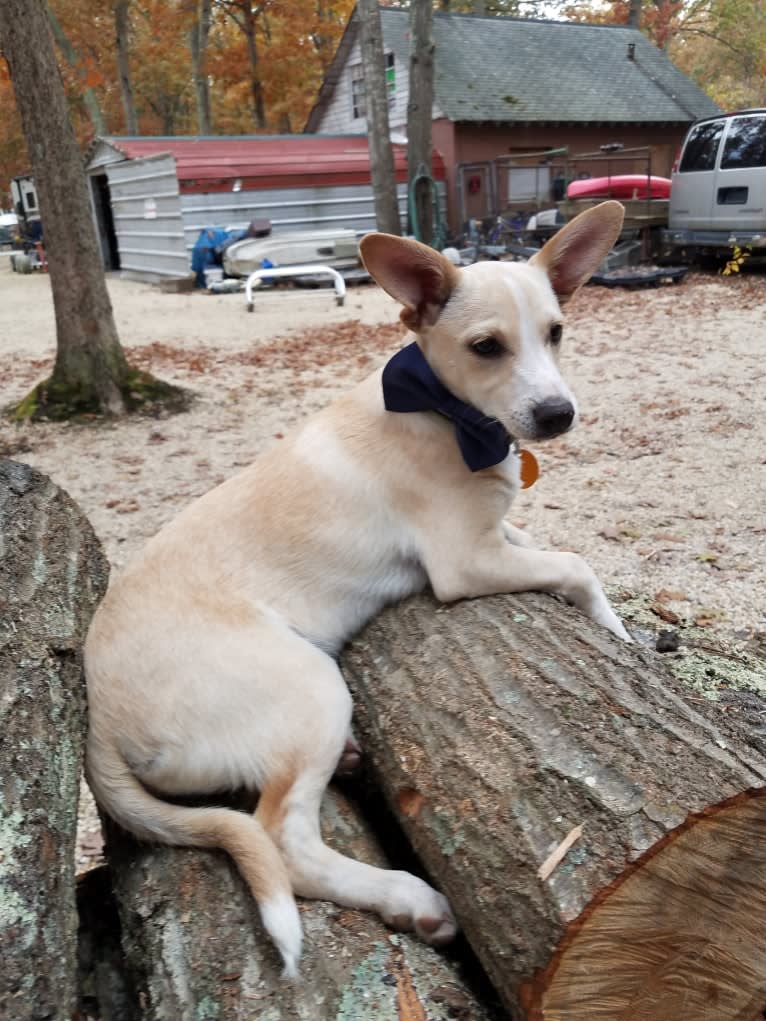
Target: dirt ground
[661,486]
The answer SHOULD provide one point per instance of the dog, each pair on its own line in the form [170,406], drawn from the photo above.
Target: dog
[211,662]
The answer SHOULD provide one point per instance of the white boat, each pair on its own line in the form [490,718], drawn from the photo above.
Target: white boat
[336,248]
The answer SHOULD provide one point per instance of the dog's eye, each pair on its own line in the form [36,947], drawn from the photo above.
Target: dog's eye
[488,348]
[555,335]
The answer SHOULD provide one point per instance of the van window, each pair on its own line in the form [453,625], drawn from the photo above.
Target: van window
[701,147]
[745,144]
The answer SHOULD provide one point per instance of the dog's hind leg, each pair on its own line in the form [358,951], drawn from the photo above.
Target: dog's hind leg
[289,810]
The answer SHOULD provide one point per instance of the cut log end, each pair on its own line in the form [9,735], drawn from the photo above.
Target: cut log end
[679,936]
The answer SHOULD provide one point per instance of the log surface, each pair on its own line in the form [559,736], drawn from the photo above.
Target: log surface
[52,574]
[498,726]
[194,947]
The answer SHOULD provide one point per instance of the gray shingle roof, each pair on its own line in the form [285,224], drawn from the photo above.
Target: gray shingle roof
[507,69]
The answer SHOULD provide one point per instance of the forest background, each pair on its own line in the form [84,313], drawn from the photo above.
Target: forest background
[175,67]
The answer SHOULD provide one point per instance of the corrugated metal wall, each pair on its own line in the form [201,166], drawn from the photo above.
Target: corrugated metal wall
[289,209]
[146,207]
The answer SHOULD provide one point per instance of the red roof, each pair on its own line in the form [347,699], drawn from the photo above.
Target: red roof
[267,161]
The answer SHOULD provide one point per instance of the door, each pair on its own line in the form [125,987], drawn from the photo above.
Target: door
[691,195]
[739,196]
[146,212]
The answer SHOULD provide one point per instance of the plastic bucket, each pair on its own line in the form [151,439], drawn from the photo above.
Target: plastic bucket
[213,275]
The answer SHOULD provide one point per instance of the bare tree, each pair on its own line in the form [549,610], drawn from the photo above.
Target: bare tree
[91,373]
[245,16]
[198,37]
[122,36]
[89,97]
[376,99]
[419,115]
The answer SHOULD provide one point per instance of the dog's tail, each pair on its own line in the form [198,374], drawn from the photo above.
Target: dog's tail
[129,803]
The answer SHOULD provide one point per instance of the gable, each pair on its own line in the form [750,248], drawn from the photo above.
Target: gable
[529,71]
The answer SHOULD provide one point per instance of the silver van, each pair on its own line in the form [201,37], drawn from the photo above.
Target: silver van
[718,194]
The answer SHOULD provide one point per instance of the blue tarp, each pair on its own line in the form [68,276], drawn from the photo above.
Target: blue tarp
[208,249]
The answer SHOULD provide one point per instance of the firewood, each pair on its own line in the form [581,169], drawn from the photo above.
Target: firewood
[497,727]
[52,573]
[194,946]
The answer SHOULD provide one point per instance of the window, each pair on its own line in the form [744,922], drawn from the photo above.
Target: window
[358,98]
[745,144]
[701,147]
[358,102]
[390,79]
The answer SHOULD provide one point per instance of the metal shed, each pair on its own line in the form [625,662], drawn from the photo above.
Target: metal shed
[152,196]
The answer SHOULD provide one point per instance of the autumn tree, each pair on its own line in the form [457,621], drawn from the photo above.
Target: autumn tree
[90,373]
[199,33]
[122,42]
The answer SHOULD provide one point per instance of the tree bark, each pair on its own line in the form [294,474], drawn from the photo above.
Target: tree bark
[198,37]
[52,574]
[498,727]
[122,37]
[376,98]
[419,116]
[194,946]
[634,13]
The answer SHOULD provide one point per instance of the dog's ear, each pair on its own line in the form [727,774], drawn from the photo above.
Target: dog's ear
[572,256]
[414,274]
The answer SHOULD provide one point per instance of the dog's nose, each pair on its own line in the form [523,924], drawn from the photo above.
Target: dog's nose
[553,417]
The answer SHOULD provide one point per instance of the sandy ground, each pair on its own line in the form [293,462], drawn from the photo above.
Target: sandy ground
[661,487]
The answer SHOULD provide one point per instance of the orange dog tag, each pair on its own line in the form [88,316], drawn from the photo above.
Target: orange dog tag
[529,469]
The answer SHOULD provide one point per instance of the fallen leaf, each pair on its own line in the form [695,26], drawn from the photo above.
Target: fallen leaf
[670,596]
[664,613]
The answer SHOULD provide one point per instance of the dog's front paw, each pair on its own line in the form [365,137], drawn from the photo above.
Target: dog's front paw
[414,905]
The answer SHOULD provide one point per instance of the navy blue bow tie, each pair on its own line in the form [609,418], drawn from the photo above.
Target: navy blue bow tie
[409,384]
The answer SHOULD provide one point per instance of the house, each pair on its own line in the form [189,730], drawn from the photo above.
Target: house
[509,93]
[152,196]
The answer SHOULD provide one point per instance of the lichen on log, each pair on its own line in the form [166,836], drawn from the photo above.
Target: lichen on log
[52,574]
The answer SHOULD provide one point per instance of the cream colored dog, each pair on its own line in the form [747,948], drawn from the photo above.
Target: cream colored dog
[211,661]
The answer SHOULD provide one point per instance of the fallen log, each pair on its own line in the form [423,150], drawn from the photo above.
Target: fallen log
[52,574]
[601,838]
[194,947]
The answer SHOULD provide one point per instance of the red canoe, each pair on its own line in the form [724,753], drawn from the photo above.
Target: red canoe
[620,186]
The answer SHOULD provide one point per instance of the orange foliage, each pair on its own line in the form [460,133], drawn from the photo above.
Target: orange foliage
[295,39]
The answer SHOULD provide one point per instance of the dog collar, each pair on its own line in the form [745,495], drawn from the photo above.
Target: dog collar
[410,384]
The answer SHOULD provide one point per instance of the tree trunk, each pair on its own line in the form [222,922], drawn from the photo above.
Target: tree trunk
[499,727]
[52,574]
[122,35]
[376,98]
[634,13]
[198,37]
[90,374]
[194,946]
[90,366]
[249,27]
[89,97]
[419,117]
